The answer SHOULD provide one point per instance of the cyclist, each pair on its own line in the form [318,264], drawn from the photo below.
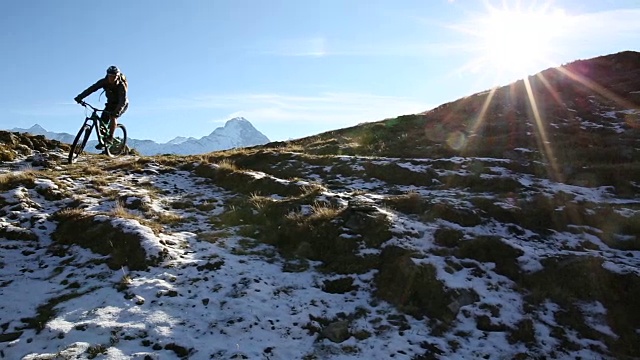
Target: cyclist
[114,85]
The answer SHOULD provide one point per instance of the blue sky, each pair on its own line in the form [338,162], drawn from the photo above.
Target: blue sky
[292,67]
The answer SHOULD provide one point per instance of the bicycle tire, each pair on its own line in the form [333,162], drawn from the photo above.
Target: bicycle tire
[79,143]
[119,144]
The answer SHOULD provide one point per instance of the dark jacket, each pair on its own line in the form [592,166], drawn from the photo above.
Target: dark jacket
[116,93]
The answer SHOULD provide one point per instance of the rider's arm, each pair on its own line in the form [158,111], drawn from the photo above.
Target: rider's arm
[122,99]
[91,89]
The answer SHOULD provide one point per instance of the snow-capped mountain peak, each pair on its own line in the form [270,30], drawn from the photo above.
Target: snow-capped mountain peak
[238,119]
[37,129]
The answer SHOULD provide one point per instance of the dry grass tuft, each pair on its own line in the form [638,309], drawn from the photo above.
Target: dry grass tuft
[92,171]
[259,202]
[323,211]
[169,218]
[120,211]
[69,213]
[212,236]
[134,165]
[409,203]
[99,182]
[6,154]
[227,165]
[206,206]
[11,180]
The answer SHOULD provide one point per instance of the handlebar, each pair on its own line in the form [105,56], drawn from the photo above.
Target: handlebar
[92,107]
[89,105]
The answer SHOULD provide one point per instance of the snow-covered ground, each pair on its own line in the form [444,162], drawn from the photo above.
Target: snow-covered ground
[226,296]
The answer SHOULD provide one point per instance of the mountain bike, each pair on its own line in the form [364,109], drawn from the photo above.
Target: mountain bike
[113,148]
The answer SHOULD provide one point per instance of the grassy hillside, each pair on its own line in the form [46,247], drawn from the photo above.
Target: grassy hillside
[502,225]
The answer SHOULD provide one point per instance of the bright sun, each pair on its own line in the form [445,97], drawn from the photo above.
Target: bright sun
[515,42]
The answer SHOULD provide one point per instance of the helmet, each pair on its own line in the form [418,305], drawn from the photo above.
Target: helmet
[113,70]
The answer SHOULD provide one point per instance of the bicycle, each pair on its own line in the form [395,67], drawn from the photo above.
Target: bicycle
[114,148]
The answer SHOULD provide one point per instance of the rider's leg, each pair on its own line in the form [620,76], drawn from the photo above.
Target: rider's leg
[112,127]
[104,118]
[114,121]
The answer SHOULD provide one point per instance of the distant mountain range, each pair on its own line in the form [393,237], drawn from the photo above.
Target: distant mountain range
[236,133]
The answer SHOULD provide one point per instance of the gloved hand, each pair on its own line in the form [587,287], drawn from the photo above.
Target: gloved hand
[78,100]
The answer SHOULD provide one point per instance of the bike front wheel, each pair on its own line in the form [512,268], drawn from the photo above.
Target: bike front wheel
[79,143]
[119,144]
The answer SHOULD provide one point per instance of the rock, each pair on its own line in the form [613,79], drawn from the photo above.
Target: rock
[10,336]
[337,331]
[464,297]
[139,300]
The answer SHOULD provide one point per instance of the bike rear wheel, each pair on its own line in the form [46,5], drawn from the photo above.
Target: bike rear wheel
[119,144]
[79,143]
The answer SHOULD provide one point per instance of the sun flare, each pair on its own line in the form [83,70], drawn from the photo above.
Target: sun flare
[515,42]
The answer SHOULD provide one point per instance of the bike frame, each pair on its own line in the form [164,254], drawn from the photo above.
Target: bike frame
[101,128]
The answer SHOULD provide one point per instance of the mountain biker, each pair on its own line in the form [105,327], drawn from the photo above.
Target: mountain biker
[114,85]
